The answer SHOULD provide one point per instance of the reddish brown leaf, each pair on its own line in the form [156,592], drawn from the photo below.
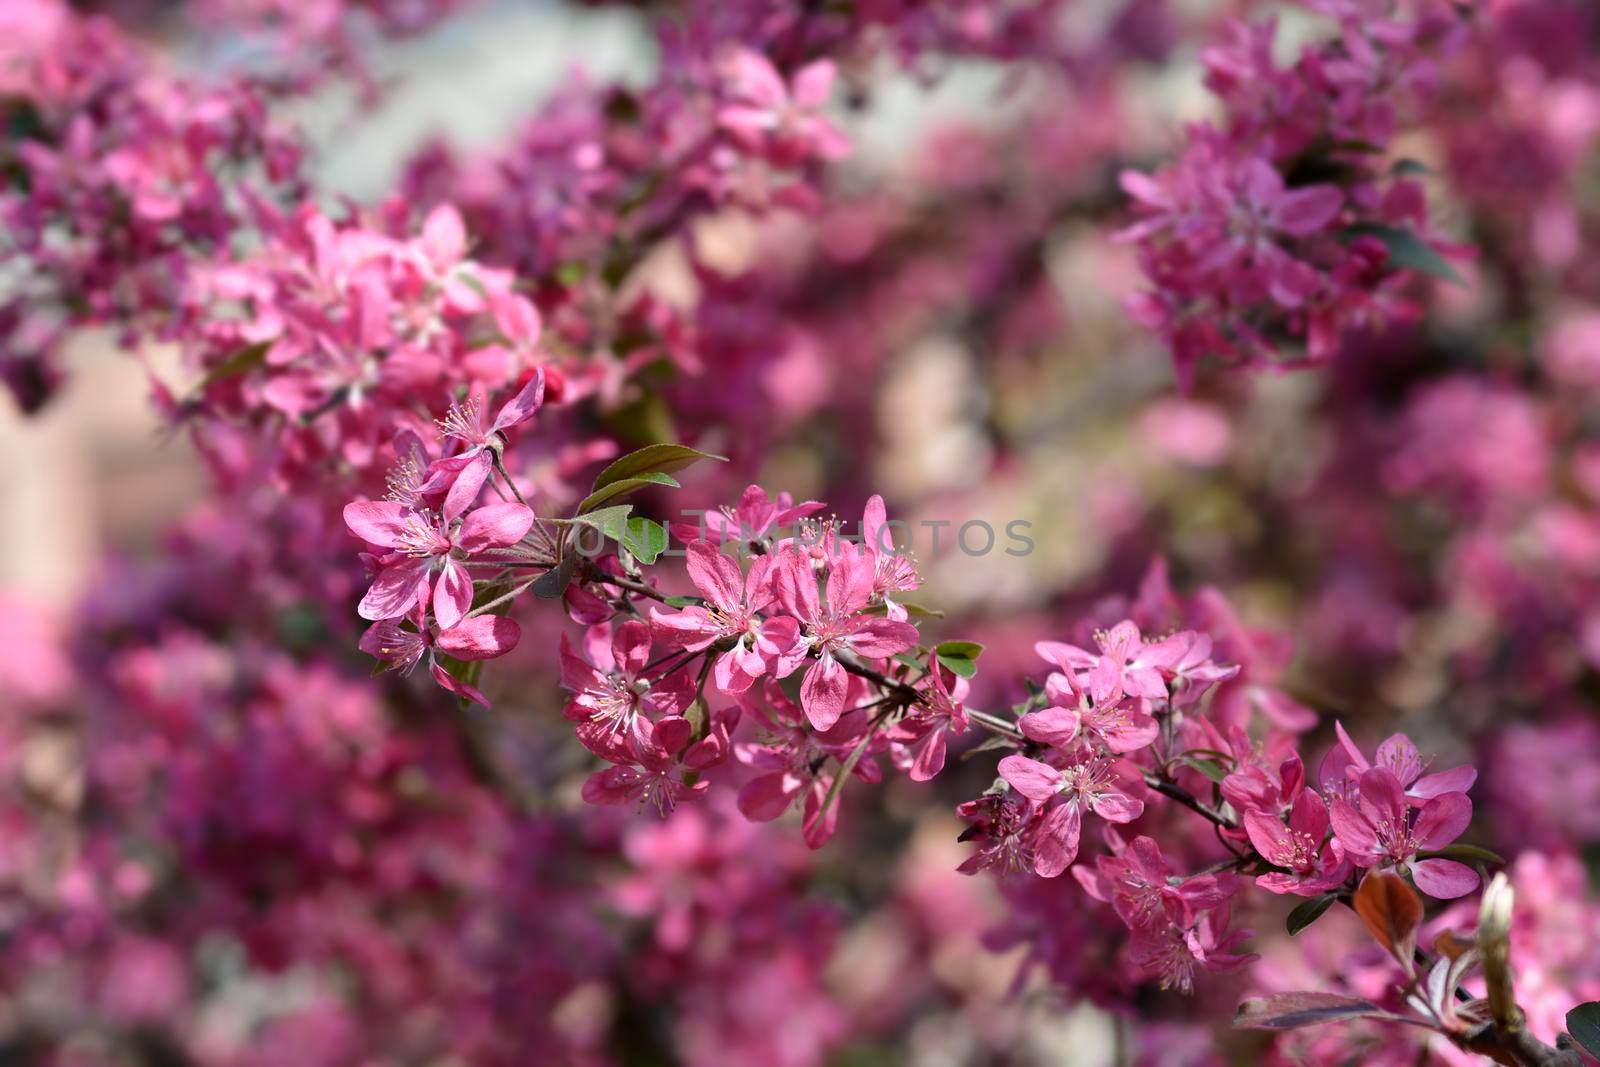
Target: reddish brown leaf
[1450,944]
[1289,1011]
[1392,911]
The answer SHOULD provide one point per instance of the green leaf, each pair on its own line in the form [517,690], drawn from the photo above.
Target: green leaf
[1468,853]
[652,459]
[617,490]
[246,359]
[1583,1023]
[1210,768]
[684,601]
[699,721]
[1308,912]
[645,539]
[964,667]
[1407,251]
[913,610]
[959,656]
[612,521]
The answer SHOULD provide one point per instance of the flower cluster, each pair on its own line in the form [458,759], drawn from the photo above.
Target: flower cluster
[204,804]
[324,339]
[430,532]
[792,657]
[115,178]
[1279,232]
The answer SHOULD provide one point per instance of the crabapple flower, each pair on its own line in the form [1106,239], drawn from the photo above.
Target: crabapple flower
[1124,665]
[1383,829]
[835,622]
[732,617]
[1192,669]
[1275,232]
[1063,794]
[1311,864]
[787,761]
[479,638]
[422,542]
[1345,764]
[1141,885]
[938,714]
[893,571]
[461,476]
[616,695]
[1173,953]
[1001,826]
[657,779]
[1120,727]
[1253,784]
[1241,221]
[752,521]
[783,125]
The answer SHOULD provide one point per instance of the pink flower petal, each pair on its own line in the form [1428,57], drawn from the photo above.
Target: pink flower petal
[769,796]
[1055,844]
[1051,726]
[396,591]
[483,637]
[716,576]
[1444,879]
[452,595]
[1034,780]
[1442,820]
[520,408]
[378,522]
[823,693]
[495,526]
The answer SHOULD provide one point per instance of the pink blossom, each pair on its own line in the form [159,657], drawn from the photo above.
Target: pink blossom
[657,779]
[1064,794]
[1381,829]
[1124,665]
[1173,953]
[787,761]
[833,623]
[1345,764]
[754,519]
[893,570]
[617,692]
[1002,826]
[786,126]
[1139,882]
[477,638]
[755,645]
[1312,863]
[461,476]
[421,543]
[938,714]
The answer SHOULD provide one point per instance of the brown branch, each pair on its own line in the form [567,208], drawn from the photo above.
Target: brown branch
[592,573]
[1173,791]
[1514,1045]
